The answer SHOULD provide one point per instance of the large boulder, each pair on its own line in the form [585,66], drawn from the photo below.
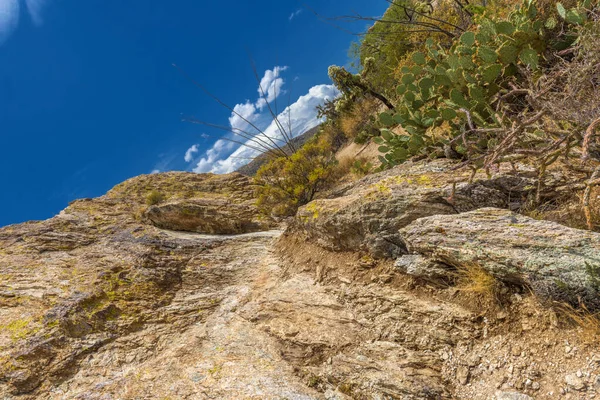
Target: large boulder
[556,262]
[368,214]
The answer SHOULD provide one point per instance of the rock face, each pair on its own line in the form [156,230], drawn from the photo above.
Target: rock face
[112,300]
[555,261]
[217,216]
[367,214]
[100,303]
[83,280]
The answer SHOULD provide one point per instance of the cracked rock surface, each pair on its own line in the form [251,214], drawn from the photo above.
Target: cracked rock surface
[101,302]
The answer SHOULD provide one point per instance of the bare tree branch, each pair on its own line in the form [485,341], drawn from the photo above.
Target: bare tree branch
[594,181]
[236,131]
[587,139]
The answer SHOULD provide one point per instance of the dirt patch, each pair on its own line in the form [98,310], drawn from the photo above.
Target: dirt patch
[508,344]
[369,152]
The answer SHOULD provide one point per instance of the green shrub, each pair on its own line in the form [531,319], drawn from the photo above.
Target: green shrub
[459,84]
[403,28]
[286,183]
[154,197]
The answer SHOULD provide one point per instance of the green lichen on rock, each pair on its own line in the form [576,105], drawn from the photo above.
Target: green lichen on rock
[593,272]
[20,328]
[101,268]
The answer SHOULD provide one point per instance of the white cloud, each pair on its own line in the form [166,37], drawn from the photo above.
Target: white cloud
[270,86]
[155,171]
[243,112]
[243,120]
[295,14]
[212,155]
[35,8]
[249,113]
[302,116]
[9,15]
[226,156]
[189,154]
[9,18]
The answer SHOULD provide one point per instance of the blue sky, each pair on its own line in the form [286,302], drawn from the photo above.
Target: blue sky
[89,96]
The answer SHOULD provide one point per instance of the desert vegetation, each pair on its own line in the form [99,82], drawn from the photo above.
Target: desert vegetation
[485,83]
[154,197]
[285,183]
[435,237]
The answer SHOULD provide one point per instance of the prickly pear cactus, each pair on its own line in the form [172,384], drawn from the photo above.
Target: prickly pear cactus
[458,86]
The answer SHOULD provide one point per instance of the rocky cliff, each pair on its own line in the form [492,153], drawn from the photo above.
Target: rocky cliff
[173,286]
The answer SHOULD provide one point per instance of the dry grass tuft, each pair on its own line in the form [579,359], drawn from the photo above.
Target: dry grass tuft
[343,166]
[587,322]
[154,197]
[351,168]
[358,123]
[472,279]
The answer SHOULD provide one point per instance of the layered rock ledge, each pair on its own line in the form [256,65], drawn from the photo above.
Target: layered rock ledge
[368,214]
[215,216]
[117,299]
[555,261]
